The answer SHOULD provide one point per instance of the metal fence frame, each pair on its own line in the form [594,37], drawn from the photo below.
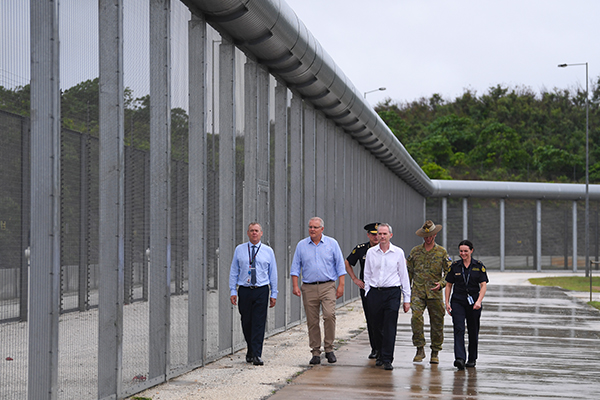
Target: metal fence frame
[279,154]
[297,163]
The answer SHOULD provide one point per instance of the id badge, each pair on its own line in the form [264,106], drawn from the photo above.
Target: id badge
[470,300]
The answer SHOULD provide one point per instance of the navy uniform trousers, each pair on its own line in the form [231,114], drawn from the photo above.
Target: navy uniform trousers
[462,311]
[363,299]
[384,304]
[253,305]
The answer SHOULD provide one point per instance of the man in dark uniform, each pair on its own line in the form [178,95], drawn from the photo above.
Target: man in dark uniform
[359,253]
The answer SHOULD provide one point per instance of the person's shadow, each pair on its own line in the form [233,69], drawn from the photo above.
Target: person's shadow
[465,384]
[426,380]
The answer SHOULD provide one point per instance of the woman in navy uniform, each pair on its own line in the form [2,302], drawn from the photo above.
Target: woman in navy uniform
[468,278]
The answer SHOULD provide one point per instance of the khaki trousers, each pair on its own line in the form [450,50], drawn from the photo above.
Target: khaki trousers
[316,297]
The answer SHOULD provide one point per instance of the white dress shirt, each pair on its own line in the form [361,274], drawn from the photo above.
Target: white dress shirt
[387,269]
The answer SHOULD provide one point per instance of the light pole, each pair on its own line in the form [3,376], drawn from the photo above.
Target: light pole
[588,268]
[374,90]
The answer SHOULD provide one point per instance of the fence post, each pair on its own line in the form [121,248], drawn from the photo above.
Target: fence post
[111,211]
[502,236]
[160,189]
[574,236]
[44,306]
[197,192]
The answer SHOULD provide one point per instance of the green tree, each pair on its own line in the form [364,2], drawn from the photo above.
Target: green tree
[16,100]
[505,133]
[80,107]
[557,163]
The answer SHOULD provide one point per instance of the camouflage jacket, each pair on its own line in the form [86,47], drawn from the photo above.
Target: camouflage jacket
[426,268]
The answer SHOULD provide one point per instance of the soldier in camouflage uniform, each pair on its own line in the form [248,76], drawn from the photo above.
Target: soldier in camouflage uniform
[428,265]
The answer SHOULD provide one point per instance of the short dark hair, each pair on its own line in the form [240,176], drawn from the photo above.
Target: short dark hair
[466,243]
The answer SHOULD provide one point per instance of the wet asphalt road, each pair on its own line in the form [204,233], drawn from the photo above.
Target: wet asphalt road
[535,342]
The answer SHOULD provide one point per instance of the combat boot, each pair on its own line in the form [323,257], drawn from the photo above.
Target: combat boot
[420,356]
[434,357]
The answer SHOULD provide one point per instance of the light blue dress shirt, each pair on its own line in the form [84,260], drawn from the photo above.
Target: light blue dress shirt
[266,268]
[318,263]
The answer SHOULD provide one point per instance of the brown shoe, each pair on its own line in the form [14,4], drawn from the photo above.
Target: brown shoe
[420,356]
[434,357]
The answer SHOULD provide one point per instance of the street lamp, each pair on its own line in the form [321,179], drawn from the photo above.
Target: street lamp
[374,90]
[588,269]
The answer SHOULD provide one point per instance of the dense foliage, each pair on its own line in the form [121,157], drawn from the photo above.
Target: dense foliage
[505,134]
[80,113]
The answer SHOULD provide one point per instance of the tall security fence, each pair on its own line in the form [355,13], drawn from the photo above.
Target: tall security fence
[139,139]
[519,234]
[137,144]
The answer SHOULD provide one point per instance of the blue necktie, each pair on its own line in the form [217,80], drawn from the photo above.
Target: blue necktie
[253,267]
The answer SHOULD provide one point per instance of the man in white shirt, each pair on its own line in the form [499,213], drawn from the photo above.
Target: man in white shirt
[386,277]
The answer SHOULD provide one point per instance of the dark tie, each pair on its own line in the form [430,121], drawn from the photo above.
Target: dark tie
[253,266]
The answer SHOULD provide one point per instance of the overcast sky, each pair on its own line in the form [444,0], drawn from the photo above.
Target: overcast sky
[416,48]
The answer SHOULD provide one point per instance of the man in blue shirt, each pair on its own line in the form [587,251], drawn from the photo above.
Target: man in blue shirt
[320,260]
[253,270]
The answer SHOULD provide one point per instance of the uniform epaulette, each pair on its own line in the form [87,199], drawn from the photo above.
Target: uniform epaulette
[361,245]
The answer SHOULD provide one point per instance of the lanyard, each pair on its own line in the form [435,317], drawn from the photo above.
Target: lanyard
[252,259]
[467,278]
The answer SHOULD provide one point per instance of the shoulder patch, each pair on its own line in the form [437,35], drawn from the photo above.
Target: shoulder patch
[482,269]
[353,251]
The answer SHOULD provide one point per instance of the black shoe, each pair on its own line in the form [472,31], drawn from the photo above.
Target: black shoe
[378,363]
[374,354]
[459,363]
[388,366]
[470,364]
[249,357]
[330,357]
[315,360]
[257,361]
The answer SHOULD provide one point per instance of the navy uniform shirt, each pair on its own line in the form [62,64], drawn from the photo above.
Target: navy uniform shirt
[359,253]
[473,275]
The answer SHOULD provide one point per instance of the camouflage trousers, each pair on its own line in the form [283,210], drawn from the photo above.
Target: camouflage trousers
[436,311]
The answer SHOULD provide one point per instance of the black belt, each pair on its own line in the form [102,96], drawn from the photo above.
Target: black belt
[386,288]
[253,287]
[315,283]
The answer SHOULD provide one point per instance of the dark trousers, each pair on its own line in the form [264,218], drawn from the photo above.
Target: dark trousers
[461,312]
[368,318]
[383,308]
[253,305]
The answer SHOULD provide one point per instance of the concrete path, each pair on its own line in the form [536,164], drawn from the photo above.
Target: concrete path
[535,342]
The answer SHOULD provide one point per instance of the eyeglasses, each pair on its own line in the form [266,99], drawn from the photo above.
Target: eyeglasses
[313,227]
